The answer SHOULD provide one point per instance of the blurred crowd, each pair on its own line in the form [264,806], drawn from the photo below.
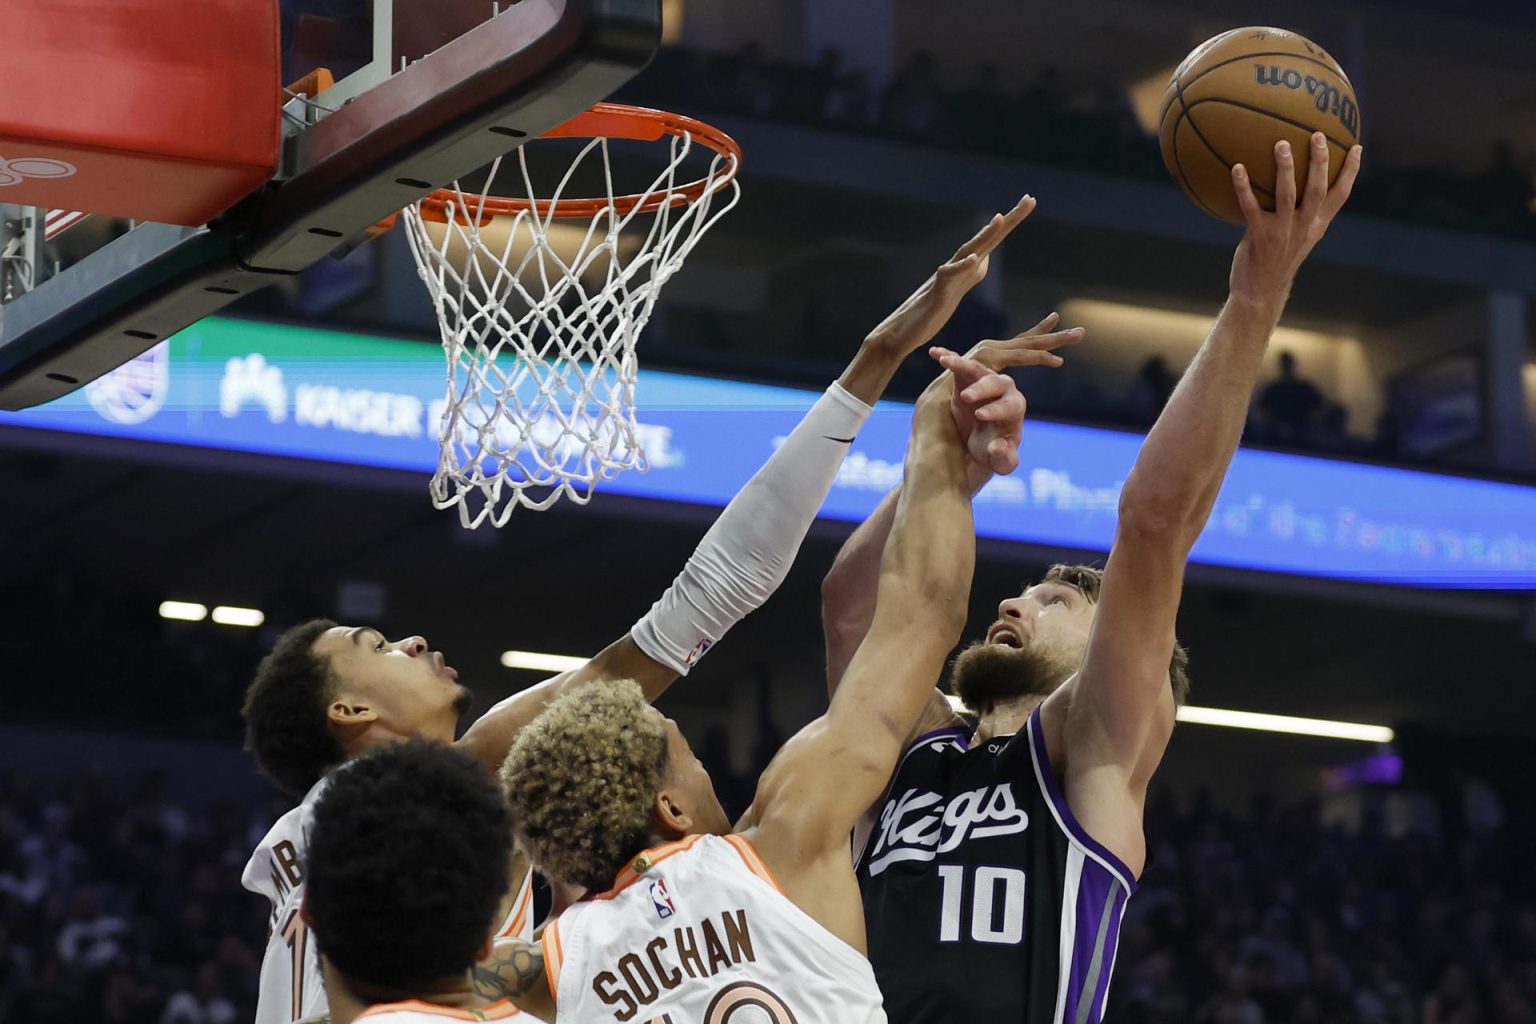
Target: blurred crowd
[121,905]
[1289,411]
[1273,918]
[1093,129]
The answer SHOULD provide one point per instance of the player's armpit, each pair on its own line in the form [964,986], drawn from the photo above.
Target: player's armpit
[515,971]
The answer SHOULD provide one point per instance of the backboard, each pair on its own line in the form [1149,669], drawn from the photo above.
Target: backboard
[427,91]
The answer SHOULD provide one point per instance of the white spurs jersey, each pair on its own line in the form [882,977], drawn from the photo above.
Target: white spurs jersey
[292,984]
[692,933]
[416,1012]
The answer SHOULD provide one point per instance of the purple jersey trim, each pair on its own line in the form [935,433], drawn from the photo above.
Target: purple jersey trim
[960,731]
[1064,815]
[1101,898]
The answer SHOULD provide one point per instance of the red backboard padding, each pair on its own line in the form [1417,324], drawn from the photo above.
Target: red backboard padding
[165,110]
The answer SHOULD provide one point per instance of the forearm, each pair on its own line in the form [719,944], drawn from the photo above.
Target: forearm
[931,551]
[870,371]
[1179,472]
[746,554]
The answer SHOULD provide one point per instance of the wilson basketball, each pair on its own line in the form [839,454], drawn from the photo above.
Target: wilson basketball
[1238,94]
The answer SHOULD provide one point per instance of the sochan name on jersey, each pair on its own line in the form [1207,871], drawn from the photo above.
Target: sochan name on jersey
[920,826]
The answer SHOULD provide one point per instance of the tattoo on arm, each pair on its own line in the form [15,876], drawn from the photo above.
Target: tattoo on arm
[512,970]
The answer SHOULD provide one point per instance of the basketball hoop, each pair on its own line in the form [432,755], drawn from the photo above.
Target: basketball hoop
[539,333]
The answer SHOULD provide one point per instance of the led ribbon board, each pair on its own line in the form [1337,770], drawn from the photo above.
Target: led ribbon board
[319,394]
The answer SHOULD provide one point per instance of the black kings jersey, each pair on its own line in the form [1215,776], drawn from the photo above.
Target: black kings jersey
[984,898]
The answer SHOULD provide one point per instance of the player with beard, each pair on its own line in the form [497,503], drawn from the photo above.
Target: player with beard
[688,919]
[327,693]
[996,866]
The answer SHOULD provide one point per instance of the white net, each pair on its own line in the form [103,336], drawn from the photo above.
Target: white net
[539,318]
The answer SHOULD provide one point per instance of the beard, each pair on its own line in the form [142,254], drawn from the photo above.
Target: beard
[986,674]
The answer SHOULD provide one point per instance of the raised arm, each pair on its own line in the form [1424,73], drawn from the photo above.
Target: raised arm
[832,770]
[747,552]
[1120,708]
[848,591]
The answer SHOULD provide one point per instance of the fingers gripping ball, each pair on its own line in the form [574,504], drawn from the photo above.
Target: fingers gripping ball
[1235,96]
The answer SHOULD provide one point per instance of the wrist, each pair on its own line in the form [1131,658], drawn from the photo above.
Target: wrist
[977,476]
[1258,303]
[880,347]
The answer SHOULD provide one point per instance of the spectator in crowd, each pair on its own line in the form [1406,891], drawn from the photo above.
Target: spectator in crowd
[1276,918]
[142,921]
[1150,392]
[1506,186]
[1041,124]
[15,973]
[204,1003]
[983,116]
[913,106]
[1289,406]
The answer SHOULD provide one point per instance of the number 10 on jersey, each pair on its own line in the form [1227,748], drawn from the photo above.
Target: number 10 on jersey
[996,899]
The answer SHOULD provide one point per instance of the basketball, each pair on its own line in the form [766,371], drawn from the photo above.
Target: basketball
[1238,94]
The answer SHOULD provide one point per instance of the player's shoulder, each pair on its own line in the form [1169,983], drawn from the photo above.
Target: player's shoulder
[414,1011]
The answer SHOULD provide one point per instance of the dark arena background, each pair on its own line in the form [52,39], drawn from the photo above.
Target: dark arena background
[1372,561]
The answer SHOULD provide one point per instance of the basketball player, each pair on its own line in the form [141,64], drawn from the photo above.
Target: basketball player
[686,918]
[996,866]
[326,693]
[426,825]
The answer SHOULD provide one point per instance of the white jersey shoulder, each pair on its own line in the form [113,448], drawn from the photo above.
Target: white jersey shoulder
[695,930]
[414,1012]
[518,923]
[292,986]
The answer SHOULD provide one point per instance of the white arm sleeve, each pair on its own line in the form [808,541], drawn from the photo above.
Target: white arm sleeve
[746,554]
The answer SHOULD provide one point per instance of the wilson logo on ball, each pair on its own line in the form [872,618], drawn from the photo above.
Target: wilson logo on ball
[1327,98]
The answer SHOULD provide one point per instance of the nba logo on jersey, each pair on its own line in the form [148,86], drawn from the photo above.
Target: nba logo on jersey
[661,900]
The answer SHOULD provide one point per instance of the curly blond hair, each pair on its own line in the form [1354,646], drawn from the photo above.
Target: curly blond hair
[582,779]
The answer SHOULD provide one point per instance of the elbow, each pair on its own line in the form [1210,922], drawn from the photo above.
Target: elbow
[833,584]
[949,608]
[836,599]
[1149,522]
[1154,528]
[1153,511]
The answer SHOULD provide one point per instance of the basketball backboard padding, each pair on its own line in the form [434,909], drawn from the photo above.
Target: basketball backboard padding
[511,77]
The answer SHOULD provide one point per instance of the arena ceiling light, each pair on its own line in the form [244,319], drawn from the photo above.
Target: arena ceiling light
[229,615]
[1287,724]
[1323,727]
[183,611]
[536,662]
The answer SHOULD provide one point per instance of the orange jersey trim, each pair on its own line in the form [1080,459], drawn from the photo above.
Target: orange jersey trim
[629,876]
[520,914]
[754,861]
[553,956]
[496,1011]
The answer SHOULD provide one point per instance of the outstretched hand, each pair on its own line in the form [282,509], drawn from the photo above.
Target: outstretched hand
[1275,244]
[988,409]
[987,405]
[919,318]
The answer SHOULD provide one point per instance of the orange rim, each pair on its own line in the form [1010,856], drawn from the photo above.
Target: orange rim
[604,120]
